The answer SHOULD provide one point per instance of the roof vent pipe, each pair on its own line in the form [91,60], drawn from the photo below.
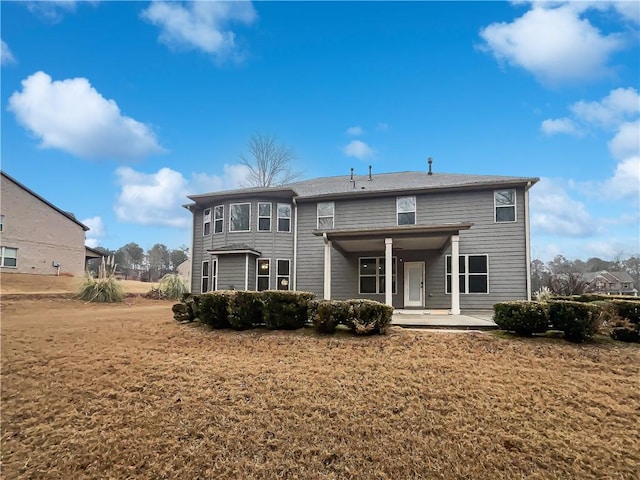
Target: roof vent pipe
[370,173]
[351,180]
[430,162]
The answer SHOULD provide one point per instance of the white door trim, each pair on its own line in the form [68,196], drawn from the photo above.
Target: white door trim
[407,267]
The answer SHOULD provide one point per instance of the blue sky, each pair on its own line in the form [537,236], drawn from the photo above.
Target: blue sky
[116,111]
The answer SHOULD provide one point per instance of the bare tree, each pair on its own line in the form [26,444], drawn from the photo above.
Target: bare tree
[269,162]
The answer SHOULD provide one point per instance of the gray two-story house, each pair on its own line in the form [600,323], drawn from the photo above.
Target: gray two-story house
[409,239]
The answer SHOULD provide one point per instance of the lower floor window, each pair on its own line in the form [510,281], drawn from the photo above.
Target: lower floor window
[205,277]
[9,257]
[371,275]
[284,274]
[263,274]
[473,273]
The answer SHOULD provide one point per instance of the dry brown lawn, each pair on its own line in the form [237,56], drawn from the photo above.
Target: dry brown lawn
[122,391]
[24,284]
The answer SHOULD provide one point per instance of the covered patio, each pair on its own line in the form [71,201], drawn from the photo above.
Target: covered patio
[405,237]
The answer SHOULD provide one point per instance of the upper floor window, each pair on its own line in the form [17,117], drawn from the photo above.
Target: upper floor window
[1,222]
[206,222]
[505,205]
[218,218]
[406,209]
[263,274]
[239,217]
[284,217]
[474,273]
[325,215]
[264,217]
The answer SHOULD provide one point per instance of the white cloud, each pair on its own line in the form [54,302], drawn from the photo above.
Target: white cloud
[625,182]
[71,115]
[6,57]
[559,125]
[626,142]
[96,231]
[355,131]
[553,43]
[52,10]
[200,25]
[382,127]
[554,212]
[358,149]
[619,105]
[157,198]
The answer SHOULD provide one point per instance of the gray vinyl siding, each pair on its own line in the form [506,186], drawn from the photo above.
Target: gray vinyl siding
[504,243]
[231,272]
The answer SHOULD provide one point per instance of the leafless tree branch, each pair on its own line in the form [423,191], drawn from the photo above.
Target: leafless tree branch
[269,162]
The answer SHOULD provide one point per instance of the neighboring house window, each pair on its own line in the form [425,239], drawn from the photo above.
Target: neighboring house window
[9,257]
[283,274]
[218,218]
[406,208]
[474,273]
[205,277]
[264,217]
[206,222]
[284,217]
[264,274]
[325,212]
[505,205]
[239,217]
[1,222]
[372,275]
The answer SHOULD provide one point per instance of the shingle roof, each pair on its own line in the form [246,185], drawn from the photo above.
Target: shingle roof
[398,181]
[380,183]
[621,276]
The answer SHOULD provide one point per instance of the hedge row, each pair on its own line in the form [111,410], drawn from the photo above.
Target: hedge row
[578,320]
[275,309]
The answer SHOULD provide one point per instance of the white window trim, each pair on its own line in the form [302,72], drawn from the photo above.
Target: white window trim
[467,274]
[270,217]
[216,220]
[1,223]
[414,211]
[205,222]
[213,279]
[208,276]
[278,276]
[278,217]
[231,223]
[379,260]
[332,216]
[2,257]
[515,208]
[258,276]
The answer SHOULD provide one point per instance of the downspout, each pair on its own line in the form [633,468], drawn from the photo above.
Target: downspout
[527,238]
[295,245]
[191,252]
[246,271]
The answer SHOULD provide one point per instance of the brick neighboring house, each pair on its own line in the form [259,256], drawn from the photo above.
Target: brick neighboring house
[36,236]
[418,240]
[610,283]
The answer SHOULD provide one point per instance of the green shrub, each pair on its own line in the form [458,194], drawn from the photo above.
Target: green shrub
[245,310]
[173,286]
[625,325]
[521,317]
[214,308]
[284,309]
[578,321]
[367,317]
[326,315]
[102,290]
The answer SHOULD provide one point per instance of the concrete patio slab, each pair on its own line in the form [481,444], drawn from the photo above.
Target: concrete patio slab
[416,319]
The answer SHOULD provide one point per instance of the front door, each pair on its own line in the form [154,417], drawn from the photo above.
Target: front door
[414,284]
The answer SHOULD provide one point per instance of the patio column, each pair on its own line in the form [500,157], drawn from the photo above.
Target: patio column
[327,268]
[388,271]
[455,275]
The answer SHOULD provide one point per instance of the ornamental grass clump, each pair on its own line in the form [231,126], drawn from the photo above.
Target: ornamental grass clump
[105,288]
[173,286]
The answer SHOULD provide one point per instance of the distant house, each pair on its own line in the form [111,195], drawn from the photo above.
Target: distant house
[410,239]
[184,269]
[610,283]
[36,236]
